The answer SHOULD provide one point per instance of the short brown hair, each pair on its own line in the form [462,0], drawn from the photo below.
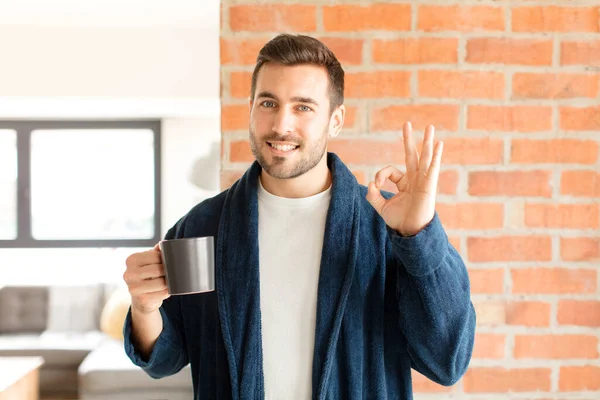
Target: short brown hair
[288,49]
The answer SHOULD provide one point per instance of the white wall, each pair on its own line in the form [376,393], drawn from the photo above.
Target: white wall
[191,165]
[155,62]
[106,59]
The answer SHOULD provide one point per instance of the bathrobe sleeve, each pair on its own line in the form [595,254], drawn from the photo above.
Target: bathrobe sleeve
[435,310]
[169,354]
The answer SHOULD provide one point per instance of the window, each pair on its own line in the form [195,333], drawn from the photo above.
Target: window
[79,183]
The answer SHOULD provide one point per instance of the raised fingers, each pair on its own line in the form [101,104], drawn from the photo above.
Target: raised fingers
[427,150]
[433,172]
[410,150]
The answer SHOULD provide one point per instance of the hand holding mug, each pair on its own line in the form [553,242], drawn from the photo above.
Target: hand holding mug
[145,279]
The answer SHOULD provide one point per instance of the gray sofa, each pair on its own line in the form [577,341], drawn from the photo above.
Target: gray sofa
[107,373]
[61,324]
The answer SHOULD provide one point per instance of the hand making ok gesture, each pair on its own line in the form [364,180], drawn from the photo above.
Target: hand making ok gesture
[413,207]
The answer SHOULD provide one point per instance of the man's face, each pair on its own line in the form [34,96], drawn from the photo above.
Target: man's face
[290,119]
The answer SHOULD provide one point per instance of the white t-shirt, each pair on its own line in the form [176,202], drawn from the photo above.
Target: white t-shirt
[290,241]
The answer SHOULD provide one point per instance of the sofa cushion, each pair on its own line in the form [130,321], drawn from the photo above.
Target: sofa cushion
[57,349]
[75,308]
[24,309]
[108,369]
[57,308]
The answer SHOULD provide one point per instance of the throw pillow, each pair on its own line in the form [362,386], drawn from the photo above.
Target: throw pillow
[114,313]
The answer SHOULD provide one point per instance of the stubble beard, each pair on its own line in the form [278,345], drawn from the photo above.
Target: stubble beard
[310,156]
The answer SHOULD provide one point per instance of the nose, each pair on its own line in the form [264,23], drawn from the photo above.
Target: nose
[284,121]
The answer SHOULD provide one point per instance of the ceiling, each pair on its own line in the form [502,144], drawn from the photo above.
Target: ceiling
[110,13]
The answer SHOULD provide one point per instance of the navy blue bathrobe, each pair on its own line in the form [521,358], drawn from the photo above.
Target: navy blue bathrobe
[385,303]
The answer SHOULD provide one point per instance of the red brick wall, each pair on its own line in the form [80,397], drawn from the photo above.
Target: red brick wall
[513,88]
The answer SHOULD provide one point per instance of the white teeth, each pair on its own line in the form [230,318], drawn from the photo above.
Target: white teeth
[286,147]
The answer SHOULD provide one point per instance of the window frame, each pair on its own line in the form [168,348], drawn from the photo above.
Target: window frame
[24,128]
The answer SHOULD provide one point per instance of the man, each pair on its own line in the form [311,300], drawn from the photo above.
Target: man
[324,288]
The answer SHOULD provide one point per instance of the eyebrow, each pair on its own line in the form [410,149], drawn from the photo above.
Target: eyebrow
[300,99]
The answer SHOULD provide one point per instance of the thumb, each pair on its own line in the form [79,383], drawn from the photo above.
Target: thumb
[156,247]
[375,198]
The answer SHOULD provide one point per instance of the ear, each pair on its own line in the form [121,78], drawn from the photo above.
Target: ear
[250,103]
[336,121]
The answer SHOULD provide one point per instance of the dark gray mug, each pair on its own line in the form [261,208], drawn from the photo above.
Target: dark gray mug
[189,264]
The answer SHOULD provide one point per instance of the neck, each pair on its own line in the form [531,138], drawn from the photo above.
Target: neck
[312,182]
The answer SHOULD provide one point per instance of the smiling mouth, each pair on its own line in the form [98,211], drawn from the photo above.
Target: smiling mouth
[283,147]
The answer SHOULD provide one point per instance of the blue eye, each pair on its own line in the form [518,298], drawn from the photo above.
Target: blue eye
[305,108]
[268,103]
